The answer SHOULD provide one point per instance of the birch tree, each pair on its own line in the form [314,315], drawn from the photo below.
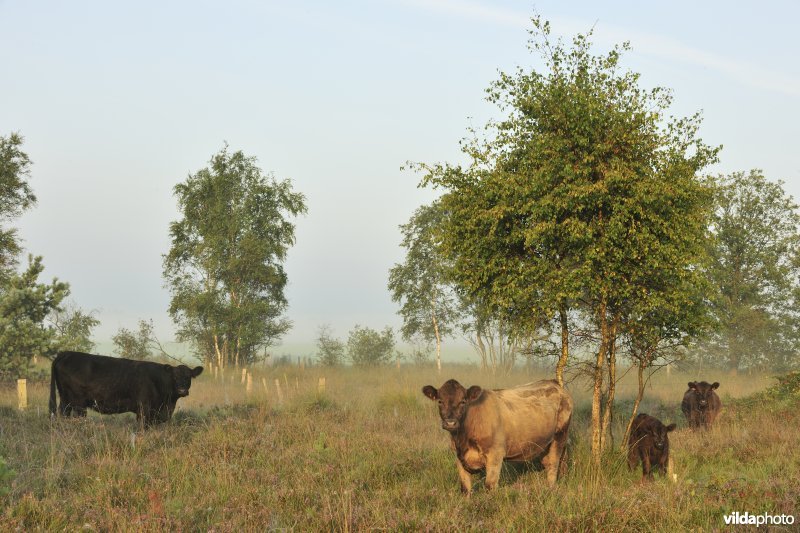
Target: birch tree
[225,264]
[429,306]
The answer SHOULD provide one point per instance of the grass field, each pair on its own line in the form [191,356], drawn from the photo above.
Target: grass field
[369,453]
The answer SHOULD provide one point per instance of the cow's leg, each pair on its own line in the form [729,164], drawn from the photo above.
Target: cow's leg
[553,459]
[143,415]
[633,457]
[464,477]
[494,463]
[163,414]
[647,473]
[662,464]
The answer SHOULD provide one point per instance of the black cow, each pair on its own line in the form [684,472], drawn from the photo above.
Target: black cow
[701,405]
[111,385]
[649,443]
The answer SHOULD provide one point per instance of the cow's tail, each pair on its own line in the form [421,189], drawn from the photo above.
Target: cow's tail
[53,379]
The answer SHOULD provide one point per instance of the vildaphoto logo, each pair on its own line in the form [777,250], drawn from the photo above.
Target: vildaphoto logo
[747,519]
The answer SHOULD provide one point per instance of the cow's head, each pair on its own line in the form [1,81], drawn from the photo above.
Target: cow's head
[702,392]
[453,401]
[659,432]
[182,378]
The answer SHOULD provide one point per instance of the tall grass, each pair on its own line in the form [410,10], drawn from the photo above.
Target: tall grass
[369,454]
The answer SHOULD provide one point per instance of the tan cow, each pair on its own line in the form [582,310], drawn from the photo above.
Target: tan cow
[489,426]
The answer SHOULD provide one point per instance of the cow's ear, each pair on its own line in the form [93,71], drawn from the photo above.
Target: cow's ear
[692,385]
[715,385]
[473,393]
[671,427]
[431,392]
[196,371]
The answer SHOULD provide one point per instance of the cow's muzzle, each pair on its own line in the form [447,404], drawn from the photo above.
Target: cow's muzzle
[450,424]
[183,392]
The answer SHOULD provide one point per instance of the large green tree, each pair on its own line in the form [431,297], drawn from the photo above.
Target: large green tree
[582,196]
[225,264]
[755,271]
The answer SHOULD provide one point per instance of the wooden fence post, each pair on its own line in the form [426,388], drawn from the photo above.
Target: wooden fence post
[280,394]
[249,387]
[264,382]
[22,393]
[321,386]
[244,375]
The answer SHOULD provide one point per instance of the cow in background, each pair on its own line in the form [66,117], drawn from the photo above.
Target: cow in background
[111,385]
[700,404]
[489,426]
[649,443]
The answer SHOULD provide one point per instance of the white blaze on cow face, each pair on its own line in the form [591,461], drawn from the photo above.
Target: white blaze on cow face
[182,376]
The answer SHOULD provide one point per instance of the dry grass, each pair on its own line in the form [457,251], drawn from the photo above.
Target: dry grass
[369,454]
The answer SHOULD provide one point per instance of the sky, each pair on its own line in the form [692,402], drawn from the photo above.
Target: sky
[120,101]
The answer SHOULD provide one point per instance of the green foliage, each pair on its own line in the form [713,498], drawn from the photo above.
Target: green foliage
[74,329]
[135,344]
[428,305]
[367,347]
[15,197]
[756,273]
[330,350]
[225,264]
[584,197]
[24,306]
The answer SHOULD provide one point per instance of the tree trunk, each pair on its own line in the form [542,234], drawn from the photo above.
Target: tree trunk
[608,415]
[598,384]
[438,340]
[220,358]
[733,353]
[636,402]
[562,360]
[481,350]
